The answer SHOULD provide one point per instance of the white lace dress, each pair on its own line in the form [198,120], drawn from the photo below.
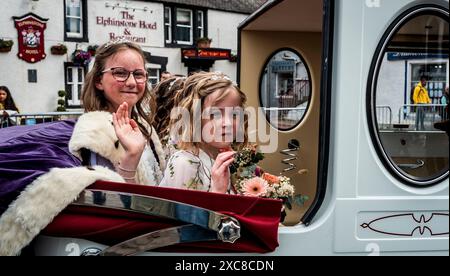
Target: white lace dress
[151,172]
[187,170]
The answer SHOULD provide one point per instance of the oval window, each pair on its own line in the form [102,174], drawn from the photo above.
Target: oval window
[409,96]
[285,89]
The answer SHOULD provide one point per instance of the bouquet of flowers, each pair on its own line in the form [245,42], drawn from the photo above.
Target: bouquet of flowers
[251,180]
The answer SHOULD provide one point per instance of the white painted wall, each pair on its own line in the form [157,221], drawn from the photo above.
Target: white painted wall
[42,96]
[391,85]
[99,34]
[222,28]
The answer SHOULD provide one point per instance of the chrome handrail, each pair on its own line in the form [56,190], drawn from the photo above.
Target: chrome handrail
[433,113]
[382,110]
[203,224]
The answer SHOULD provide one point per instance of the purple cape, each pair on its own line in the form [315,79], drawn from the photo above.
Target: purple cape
[27,152]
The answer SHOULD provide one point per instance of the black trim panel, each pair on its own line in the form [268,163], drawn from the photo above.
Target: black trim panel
[194,10]
[325,110]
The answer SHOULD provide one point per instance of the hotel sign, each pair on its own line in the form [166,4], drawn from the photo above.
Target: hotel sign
[30,28]
[206,53]
[127,21]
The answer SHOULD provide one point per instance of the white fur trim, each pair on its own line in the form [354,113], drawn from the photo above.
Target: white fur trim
[43,200]
[95,131]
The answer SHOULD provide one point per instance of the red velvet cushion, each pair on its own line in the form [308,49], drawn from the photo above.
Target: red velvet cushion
[259,220]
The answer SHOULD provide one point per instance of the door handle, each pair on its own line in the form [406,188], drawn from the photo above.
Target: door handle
[420,164]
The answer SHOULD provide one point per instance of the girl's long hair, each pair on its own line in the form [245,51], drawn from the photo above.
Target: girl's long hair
[198,87]
[9,103]
[94,99]
[165,94]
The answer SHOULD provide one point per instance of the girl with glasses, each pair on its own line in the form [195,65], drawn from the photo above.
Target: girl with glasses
[116,131]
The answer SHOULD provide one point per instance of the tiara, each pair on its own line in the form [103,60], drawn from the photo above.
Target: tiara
[116,41]
[221,76]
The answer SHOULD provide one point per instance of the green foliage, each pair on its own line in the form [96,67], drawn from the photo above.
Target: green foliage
[297,200]
[6,43]
[62,93]
[92,47]
[61,101]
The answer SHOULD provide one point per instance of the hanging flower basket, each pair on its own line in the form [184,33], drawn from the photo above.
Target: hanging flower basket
[59,49]
[92,49]
[5,49]
[80,57]
[6,45]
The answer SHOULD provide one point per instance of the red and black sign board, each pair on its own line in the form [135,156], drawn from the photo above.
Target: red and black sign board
[30,28]
[206,53]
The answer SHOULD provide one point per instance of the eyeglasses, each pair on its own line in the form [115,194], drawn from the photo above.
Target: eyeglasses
[121,74]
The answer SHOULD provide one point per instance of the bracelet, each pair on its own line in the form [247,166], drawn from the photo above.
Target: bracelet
[124,170]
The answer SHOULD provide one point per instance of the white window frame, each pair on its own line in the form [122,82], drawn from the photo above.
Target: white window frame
[156,67]
[75,101]
[80,18]
[201,15]
[191,27]
[168,24]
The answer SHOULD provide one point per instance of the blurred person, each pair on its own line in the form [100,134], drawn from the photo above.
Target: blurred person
[421,97]
[165,76]
[7,107]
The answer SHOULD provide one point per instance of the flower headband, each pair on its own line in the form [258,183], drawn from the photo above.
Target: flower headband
[116,41]
[221,76]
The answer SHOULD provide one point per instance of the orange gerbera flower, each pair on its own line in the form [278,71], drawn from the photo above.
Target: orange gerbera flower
[272,179]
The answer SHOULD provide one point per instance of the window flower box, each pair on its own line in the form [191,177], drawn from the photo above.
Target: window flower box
[59,49]
[6,45]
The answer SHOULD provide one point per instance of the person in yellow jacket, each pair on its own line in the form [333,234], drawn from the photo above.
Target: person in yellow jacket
[421,97]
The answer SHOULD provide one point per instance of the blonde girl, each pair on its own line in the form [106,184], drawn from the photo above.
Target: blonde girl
[202,163]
